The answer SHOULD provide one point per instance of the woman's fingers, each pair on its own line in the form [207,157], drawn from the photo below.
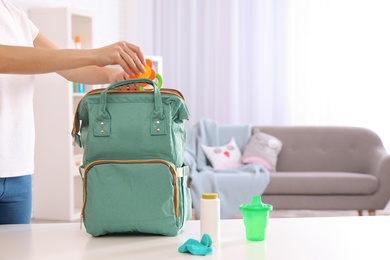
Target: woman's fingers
[117,76]
[124,54]
[140,55]
[133,57]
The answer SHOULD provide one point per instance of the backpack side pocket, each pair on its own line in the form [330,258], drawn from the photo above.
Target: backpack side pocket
[185,195]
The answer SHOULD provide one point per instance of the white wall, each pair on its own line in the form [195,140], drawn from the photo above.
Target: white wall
[108,16]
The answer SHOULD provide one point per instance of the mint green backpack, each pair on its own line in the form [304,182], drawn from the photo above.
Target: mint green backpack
[133,171]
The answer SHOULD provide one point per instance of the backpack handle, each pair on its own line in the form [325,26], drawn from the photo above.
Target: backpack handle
[103,123]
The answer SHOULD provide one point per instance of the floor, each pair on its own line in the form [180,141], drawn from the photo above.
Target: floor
[321,213]
[286,214]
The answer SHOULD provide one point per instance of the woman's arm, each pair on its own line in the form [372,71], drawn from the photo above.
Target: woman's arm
[84,66]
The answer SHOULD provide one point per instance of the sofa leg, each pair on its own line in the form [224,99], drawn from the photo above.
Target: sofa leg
[371,212]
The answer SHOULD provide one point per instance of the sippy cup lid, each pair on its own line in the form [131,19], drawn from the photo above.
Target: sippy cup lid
[256,205]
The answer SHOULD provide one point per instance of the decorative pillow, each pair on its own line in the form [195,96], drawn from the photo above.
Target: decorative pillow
[224,157]
[262,148]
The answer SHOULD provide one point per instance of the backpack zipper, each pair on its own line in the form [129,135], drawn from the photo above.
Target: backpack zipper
[168,164]
[76,122]
[118,90]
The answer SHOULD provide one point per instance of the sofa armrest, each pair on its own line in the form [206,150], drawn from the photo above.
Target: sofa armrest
[380,168]
[378,162]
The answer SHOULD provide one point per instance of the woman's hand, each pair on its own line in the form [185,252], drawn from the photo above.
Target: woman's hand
[86,66]
[124,54]
[118,75]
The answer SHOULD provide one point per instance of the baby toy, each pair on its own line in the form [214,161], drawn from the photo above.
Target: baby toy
[150,73]
[195,247]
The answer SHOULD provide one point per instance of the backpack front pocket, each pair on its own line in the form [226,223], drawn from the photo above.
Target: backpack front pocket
[131,196]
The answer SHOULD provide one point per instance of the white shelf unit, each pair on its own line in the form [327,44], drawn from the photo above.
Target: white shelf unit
[57,185]
[157,63]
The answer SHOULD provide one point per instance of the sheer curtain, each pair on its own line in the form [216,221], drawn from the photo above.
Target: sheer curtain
[339,63]
[223,55]
[284,62]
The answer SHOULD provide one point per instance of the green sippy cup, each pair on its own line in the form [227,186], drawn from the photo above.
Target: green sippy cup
[255,216]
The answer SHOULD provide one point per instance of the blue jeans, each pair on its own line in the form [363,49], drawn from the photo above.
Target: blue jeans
[15,200]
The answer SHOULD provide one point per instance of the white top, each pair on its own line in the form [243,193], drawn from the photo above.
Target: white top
[331,238]
[16,98]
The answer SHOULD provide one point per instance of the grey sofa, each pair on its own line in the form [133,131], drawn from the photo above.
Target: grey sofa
[328,168]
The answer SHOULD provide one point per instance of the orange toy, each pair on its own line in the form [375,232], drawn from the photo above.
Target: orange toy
[149,73]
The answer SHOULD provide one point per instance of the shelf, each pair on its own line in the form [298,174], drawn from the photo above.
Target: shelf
[78,94]
[57,187]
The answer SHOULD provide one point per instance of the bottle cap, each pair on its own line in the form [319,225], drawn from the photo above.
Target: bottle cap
[256,205]
[77,38]
[210,196]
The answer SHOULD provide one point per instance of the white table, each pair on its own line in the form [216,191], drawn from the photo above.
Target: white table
[287,239]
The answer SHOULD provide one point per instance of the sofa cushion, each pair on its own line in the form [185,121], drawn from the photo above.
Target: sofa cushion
[325,148]
[321,183]
[261,147]
[227,156]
